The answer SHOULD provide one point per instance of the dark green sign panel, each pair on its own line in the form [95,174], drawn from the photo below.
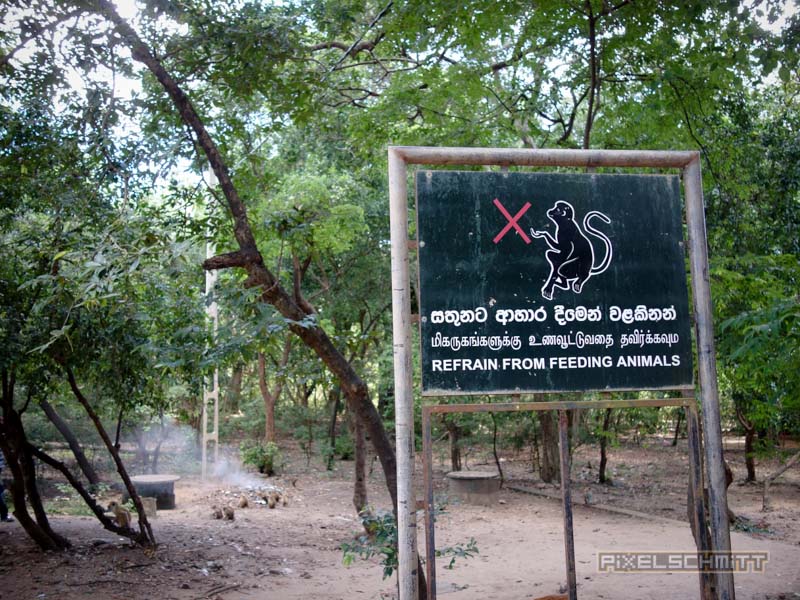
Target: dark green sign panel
[551,282]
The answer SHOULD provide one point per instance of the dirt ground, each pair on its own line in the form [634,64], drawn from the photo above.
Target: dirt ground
[293,552]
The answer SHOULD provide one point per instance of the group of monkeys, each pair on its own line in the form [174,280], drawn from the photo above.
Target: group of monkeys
[123,516]
[272,499]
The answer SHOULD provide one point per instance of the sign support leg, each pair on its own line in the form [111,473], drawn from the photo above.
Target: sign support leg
[403,384]
[430,541]
[697,511]
[707,372]
[566,499]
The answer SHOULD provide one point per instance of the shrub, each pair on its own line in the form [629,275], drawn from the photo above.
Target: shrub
[265,457]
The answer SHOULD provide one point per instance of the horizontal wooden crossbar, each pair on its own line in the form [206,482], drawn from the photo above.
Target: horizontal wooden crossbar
[555,405]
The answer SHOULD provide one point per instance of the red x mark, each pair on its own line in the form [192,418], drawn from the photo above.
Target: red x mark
[512,221]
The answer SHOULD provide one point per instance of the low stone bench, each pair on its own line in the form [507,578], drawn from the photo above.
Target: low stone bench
[474,487]
[160,487]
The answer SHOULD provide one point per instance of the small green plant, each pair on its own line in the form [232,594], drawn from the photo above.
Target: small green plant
[343,449]
[749,526]
[380,539]
[265,457]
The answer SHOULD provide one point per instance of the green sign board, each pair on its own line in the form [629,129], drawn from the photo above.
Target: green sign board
[551,282]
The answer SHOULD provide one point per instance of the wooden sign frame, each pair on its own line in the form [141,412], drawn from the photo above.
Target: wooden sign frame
[688,164]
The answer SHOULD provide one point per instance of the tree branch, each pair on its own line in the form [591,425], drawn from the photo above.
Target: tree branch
[609,8]
[350,51]
[145,532]
[87,497]
[765,503]
[298,273]
[240,258]
[141,53]
[593,74]
[6,58]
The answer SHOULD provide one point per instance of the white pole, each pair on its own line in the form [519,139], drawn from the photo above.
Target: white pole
[403,385]
[210,385]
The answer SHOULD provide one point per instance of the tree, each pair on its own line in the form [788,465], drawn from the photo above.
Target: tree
[293,307]
[271,397]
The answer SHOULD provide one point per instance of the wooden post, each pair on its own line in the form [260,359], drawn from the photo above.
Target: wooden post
[430,541]
[707,370]
[566,500]
[403,385]
[697,511]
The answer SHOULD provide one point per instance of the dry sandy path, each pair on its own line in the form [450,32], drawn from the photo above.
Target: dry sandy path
[292,552]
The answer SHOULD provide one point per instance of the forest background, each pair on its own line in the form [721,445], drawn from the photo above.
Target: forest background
[110,117]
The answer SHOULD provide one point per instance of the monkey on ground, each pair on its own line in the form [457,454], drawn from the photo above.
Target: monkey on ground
[228,512]
[244,501]
[121,514]
[216,512]
[276,498]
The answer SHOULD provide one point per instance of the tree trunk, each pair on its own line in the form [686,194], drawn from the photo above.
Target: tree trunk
[10,441]
[13,443]
[677,428]
[535,455]
[574,421]
[83,492]
[145,536]
[603,445]
[162,437]
[34,498]
[84,464]
[234,389]
[749,454]
[118,434]
[335,398]
[749,443]
[454,435]
[40,537]
[304,396]
[494,449]
[594,79]
[386,401]
[249,258]
[269,399]
[360,500]
[549,465]
[142,455]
